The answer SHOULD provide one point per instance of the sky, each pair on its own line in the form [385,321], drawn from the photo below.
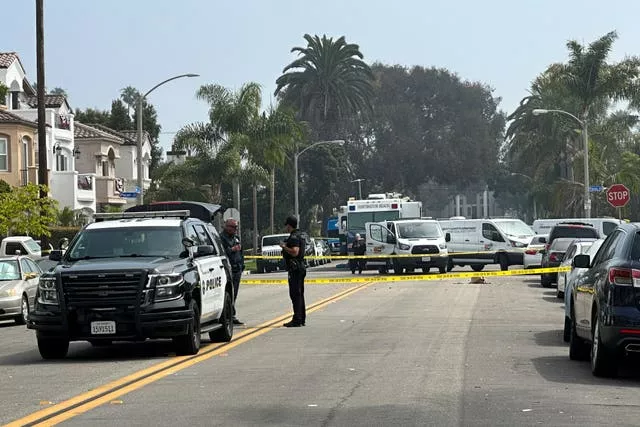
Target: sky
[94,48]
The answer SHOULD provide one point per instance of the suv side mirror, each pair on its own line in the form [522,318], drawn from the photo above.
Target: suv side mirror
[391,238]
[204,250]
[582,261]
[447,237]
[56,255]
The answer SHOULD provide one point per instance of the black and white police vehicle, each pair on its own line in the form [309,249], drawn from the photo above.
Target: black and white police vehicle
[132,276]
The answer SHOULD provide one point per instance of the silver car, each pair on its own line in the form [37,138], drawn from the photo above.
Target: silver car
[532,256]
[18,283]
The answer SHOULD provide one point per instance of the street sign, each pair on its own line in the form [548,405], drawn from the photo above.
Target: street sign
[129,195]
[596,188]
[618,195]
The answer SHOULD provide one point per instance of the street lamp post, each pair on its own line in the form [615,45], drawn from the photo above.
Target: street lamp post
[139,145]
[583,125]
[359,181]
[295,170]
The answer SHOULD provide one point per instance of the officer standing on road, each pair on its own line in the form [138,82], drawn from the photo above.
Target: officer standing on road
[359,249]
[293,254]
[233,249]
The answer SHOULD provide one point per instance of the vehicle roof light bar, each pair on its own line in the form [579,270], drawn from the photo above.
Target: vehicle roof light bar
[182,214]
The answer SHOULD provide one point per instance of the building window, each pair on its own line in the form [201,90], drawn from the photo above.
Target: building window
[4,154]
[62,163]
[105,168]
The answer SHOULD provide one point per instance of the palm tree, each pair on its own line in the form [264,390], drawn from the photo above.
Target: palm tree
[329,80]
[130,96]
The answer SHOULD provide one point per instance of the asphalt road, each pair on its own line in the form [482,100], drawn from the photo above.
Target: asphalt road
[403,353]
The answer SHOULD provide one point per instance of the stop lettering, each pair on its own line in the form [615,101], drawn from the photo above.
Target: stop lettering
[618,195]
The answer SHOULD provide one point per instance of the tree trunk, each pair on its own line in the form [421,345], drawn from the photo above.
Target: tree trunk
[273,198]
[255,219]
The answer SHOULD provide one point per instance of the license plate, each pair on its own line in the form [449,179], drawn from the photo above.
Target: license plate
[103,328]
[426,258]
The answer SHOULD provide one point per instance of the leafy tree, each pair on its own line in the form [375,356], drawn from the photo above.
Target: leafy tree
[66,217]
[23,212]
[329,81]
[130,95]
[119,118]
[58,91]
[4,187]
[91,115]
[3,93]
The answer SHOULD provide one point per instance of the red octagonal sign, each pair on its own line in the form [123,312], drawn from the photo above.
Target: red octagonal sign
[618,195]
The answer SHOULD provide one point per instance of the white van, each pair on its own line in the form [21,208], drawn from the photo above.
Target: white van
[421,237]
[604,225]
[486,241]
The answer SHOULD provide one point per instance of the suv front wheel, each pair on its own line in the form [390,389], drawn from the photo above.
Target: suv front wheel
[52,348]
[190,343]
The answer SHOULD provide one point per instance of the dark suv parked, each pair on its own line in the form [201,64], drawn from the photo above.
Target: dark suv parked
[574,230]
[605,302]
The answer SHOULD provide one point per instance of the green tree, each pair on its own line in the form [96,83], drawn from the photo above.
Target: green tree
[23,212]
[92,115]
[3,93]
[66,217]
[58,91]
[119,118]
[4,187]
[328,82]
[130,95]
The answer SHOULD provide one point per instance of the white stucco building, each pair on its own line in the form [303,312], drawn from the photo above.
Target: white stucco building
[65,184]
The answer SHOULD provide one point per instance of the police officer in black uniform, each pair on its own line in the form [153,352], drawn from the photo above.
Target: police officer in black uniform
[293,253]
[233,249]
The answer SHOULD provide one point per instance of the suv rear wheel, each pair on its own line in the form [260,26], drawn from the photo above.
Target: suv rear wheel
[603,363]
[225,333]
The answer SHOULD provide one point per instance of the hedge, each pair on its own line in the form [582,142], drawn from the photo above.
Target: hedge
[58,233]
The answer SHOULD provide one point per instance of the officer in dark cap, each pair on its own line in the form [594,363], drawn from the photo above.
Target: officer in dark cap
[293,253]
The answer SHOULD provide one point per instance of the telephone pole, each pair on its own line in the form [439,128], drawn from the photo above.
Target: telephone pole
[43,172]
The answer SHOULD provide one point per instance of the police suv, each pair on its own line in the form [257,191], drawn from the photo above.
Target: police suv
[132,276]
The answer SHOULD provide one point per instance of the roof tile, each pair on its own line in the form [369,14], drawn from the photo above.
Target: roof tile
[7,117]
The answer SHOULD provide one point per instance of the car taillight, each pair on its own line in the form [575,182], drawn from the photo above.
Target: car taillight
[530,252]
[555,256]
[624,276]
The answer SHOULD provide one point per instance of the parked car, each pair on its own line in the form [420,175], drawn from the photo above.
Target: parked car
[605,309]
[552,257]
[574,277]
[532,254]
[577,247]
[565,230]
[18,285]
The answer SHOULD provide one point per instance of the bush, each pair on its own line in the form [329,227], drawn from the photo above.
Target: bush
[58,233]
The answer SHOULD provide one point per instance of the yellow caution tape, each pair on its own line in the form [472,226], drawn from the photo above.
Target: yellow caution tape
[413,277]
[454,254]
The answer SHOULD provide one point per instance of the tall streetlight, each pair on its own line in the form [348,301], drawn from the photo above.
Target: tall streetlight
[295,170]
[583,125]
[359,181]
[139,151]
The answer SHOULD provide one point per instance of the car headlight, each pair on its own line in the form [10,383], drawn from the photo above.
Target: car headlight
[10,293]
[403,247]
[47,290]
[167,286]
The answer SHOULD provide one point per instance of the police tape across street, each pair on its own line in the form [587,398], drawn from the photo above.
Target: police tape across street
[412,277]
[332,257]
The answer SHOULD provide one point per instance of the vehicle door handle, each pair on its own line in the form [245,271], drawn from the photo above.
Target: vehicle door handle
[466,240]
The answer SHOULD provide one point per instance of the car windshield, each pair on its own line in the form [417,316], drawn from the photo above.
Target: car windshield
[535,240]
[560,244]
[515,228]
[574,231]
[128,242]
[9,270]
[32,245]
[272,240]
[415,230]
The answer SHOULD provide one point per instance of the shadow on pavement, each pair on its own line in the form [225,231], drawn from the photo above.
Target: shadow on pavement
[83,352]
[562,370]
[551,338]
[10,323]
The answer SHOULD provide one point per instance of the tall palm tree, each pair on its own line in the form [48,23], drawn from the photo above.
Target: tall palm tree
[130,96]
[329,80]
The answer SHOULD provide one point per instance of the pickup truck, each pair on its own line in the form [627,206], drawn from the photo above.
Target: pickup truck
[20,245]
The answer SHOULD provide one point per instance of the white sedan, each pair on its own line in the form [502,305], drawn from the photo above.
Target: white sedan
[577,247]
[532,255]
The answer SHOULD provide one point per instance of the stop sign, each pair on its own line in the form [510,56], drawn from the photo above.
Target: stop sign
[618,195]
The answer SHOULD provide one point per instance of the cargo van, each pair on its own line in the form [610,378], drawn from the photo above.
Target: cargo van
[421,237]
[479,242]
[604,225]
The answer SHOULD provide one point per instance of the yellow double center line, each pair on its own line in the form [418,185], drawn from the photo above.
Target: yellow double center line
[109,392]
